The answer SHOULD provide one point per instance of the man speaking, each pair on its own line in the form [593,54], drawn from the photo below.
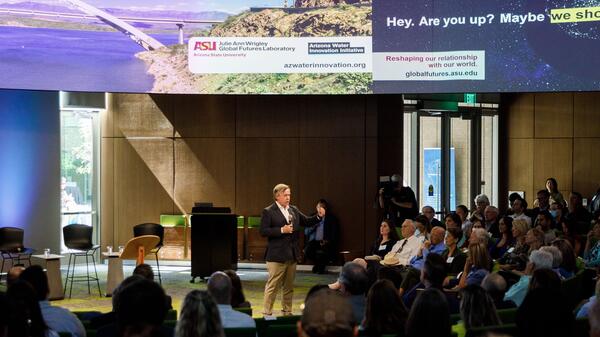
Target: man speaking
[280,223]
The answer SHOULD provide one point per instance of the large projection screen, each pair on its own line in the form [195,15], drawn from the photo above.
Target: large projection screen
[300,46]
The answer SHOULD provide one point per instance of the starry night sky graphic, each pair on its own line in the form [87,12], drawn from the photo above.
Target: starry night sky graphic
[536,56]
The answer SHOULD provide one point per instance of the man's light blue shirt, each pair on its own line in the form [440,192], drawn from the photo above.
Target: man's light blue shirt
[234,319]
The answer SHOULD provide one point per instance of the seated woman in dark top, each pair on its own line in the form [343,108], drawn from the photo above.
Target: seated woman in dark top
[386,240]
[385,313]
[454,257]
[238,300]
[507,240]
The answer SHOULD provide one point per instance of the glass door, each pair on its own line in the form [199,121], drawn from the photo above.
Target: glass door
[79,169]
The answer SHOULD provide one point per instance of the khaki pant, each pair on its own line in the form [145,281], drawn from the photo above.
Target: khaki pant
[280,275]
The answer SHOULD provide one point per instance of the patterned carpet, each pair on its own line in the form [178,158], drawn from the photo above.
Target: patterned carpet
[176,282]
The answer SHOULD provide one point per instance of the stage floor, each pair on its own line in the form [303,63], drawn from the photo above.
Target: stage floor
[176,282]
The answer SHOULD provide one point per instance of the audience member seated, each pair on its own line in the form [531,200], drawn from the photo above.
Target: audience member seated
[354,284]
[558,214]
[544,313]
[412,272]
[477,309]
[537,260]
[452,220]
[385,313]
[432,276]
[479,235]
[555,195]
[423,227]
[199,316]
[141,311]
[391,274]
[544,278]
[386,240]
[477,266]
[591,253]
[361,262]
[481,202]
[238,300]
[322,239]
[463,212]
[406,248]
[578,213]
[542,203]
[586,307]
[110,318]
[219,287]
[13,275]
[327,313]
[556,259]
[507,240]
[518,210]
[496,286]
[429,315]
[545,224]
[453,255]
[23,314]
[516,259]
[568,266]
[145,270]
[57,318]
[429,212]
[491,215]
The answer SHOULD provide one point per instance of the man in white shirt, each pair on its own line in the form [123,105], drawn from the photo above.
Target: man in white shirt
[408,247]
[518,207]
[219,287]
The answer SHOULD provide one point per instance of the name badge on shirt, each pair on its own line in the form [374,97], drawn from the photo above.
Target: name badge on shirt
[511,249]
[449,259]
[382,247]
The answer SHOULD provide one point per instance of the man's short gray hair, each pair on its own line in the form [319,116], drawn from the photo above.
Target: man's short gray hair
[482,198]
[492,209]
[279,188]
[556,255]
[541,259]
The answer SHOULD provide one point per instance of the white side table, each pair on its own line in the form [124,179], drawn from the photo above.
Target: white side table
[115,271]
[52,265]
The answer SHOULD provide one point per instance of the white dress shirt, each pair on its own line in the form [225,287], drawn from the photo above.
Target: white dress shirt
[405,249]
[284,211]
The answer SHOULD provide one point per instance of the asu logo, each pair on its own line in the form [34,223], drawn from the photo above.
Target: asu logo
[205,45]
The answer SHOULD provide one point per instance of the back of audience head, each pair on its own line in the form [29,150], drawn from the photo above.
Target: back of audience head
[479,255]
[390,273]
[477,308]
[36,277]
[24,316]
[544,313]
[313,290]
[353,279]
[540,260]
[237,292]
[219,287]
[140,307]
[123,284]
[327,313]
[495,285]
[361,262]
[429,315]
[569,261]
[144,270]
[433,272]
[479,235]
[544,278]
[556,255]
[385,312]
[13,275]
[199,316]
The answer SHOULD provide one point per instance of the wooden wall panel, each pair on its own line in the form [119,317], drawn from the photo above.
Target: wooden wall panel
[520,123]
[334,169]
[261,163]
[520,166]
[553,158]
[204,116]
[586,175]
[333,116]
[107,117]
[107,205]
[371,228]
[205,171]
[269,116]
[140,115]
[143,183]
[553,115]
[585,114]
